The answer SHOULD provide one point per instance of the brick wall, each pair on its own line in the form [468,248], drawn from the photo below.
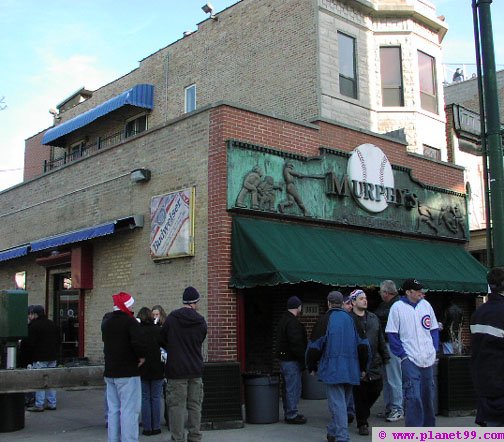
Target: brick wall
[34,156]
[231,123]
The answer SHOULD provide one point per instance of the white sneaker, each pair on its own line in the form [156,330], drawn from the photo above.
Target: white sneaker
[395,416]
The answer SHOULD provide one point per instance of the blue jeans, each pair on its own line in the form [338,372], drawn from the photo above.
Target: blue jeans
[392,385]
[418,386]
[45,395]
[124,399]
[291,372]
[151,404]
[338,399]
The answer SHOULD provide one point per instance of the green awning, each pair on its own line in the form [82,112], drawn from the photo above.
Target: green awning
[268,253]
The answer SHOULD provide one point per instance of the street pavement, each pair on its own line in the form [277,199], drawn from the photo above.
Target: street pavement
[79,418]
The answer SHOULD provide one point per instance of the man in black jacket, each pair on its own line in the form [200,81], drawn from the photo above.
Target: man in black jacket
[42,347]
[291,348]
[125,350]
[183,333]
[487,359]
[368,326]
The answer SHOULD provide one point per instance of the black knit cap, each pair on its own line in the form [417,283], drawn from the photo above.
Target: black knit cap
[190,296]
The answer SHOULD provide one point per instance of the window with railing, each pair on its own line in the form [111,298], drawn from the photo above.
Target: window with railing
[136,126]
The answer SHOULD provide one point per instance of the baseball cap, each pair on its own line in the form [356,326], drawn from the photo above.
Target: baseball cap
[412,284]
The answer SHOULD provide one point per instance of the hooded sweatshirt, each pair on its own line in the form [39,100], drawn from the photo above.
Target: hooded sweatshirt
[183,333]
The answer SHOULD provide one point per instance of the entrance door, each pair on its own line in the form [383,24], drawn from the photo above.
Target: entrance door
[67,320]
[67,316]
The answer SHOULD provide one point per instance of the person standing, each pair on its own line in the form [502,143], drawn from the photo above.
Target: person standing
[125,350]
[413,335]
[487,356]
[343,358]
[183,334]
[392,386]
[291,348]
[371,383]
[42,345]
[151,374]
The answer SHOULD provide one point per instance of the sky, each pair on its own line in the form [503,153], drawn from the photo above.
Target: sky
[50,49]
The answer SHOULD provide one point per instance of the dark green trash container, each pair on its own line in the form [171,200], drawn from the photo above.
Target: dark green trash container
[12,416]
[262,398]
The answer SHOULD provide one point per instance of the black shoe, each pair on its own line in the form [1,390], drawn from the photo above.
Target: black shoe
[154,432]
[331,438]
[364,430]
[350,418]
[298,420]
[147,432]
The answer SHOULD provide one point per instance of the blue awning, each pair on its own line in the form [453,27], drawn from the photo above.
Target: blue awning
[141,95]
[15,252]
[71,237]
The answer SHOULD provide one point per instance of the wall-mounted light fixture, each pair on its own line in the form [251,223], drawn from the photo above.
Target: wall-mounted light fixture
[140,175]
[208,9]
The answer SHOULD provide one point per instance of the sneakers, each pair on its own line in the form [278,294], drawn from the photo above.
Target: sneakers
[35,409]
[395,416]
[298,420]
[50,407]
[331,438]
[364,430]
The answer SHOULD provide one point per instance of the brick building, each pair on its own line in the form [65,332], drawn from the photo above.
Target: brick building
[463,133]
[285,147]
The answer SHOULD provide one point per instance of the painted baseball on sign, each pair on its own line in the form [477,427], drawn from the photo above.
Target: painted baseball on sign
[371,174]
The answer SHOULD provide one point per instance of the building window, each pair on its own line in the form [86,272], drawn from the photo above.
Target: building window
[428,87]
[190,98]
[391,76]
[347,66]
[135,126]
[77,150]
[432,152]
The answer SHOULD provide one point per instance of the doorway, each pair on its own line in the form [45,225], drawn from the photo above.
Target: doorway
[68,312]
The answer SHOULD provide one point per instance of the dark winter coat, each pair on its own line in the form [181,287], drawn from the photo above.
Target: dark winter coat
[42,343]
[183,333]
[369,327]
[291,339]
[487,359]
[124,345]
[383,310]
[153,368]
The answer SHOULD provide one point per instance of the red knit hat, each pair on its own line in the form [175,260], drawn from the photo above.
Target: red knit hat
[123,302]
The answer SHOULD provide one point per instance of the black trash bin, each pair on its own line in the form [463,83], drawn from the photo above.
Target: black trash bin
[262,398]
[312,388]
[12,417]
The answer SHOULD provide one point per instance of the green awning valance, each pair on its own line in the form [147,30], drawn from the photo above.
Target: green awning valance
[269,253]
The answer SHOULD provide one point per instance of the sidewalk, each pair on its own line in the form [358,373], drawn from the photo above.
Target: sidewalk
[79,418]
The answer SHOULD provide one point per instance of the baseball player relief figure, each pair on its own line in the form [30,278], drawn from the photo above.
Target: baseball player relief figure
[250,187]
[293,197]
[371,174]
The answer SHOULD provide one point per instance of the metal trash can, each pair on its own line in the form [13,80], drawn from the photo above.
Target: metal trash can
[312,388]
[262,398]
[12,417]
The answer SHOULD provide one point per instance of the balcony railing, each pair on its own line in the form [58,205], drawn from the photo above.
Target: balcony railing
[88,149]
